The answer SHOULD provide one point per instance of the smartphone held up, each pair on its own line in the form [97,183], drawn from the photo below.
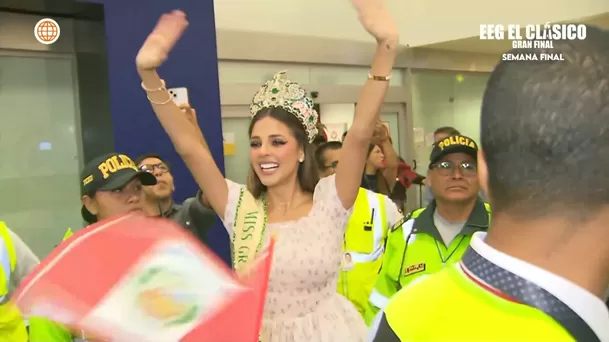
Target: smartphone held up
[179,95]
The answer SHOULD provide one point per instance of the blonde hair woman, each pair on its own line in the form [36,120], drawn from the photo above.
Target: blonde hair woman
[284,193]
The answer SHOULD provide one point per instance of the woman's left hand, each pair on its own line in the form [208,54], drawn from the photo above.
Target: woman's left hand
[376,19]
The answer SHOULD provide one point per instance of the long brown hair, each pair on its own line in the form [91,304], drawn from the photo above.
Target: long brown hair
[382,186]
[307,170]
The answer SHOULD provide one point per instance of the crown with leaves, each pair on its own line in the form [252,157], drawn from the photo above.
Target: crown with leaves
[280,92]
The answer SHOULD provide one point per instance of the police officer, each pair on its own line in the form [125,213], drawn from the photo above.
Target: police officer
[429,238]
[110,185]
[373,215]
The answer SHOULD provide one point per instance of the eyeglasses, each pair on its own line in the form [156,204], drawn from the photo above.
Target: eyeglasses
[447,168]
[152,167]
[333,165]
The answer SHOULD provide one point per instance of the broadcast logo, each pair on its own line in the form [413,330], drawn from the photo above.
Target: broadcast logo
[533,37]
[47,31]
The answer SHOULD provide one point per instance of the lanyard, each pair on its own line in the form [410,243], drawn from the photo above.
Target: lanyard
[441,255]
[517,289]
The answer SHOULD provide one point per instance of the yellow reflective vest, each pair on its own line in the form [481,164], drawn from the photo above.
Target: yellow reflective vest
[67,234]
[12,325]
[415,249]
[467,312]
[363,247]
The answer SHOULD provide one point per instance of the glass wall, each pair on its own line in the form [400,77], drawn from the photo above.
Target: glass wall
[237,164]
[445,99]
[39,149]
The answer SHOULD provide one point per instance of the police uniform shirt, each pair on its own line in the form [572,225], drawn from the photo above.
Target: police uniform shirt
[448,230]
[585,307]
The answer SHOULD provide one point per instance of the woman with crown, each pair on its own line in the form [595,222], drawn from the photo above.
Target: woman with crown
[284,195]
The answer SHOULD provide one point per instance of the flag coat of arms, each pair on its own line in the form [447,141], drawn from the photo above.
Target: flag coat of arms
[134,278]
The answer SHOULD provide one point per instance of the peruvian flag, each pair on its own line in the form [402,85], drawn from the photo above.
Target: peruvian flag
[134,278]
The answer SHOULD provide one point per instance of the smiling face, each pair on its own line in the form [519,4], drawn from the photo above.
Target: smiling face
[164,187]
[454,178]
[275,153]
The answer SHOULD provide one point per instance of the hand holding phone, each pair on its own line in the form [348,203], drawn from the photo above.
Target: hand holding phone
[191,114]
[179,95]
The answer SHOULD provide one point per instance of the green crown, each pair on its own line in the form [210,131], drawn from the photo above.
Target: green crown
[280,92]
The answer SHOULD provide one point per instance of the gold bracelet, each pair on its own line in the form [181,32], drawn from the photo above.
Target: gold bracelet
[159,103]
[161,88]
[379,78]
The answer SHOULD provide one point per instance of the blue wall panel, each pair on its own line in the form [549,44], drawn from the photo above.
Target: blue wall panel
[193,64]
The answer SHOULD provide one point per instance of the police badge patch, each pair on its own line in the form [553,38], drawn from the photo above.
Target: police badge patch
[414,269]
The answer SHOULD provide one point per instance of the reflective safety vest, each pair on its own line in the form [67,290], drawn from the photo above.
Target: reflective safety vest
[415,248]
[363,247]
[44,330]
[12,325]
[67,234]
[467,312]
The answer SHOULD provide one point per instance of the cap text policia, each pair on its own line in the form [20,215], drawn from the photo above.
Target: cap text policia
[109,172]
[453,144]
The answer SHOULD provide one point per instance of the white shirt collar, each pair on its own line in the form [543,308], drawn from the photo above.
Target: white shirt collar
[585,304]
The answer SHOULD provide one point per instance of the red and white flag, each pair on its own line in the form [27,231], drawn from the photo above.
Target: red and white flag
[134,278]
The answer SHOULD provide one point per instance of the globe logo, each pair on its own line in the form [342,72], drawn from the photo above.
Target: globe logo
[47,31]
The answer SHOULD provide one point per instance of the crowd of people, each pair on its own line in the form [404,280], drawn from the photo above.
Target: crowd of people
[349,265]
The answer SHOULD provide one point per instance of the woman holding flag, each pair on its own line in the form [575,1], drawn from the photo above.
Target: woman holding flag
[284,194]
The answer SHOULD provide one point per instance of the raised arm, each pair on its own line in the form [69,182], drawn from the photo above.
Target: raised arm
[191,115]
[376,20]
[185,136]
[382,138]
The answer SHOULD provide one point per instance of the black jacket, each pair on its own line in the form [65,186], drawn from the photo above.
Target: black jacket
[193,216]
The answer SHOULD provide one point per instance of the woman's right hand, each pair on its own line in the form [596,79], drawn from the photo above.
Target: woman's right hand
[190,114]
[161,40]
